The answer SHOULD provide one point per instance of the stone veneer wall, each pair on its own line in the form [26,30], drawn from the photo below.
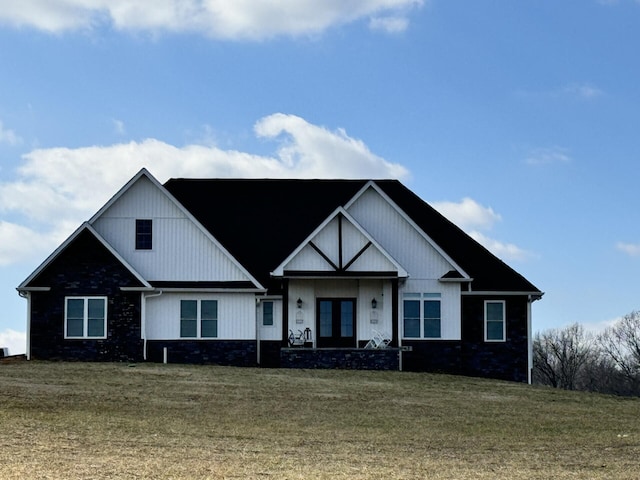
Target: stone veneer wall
[239,353]
[345,358]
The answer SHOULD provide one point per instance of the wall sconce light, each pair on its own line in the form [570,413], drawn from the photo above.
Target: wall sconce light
[299,302]
[374,303]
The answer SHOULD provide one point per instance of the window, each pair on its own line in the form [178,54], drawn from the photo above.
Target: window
[198,318]
[267,314]
[85,317]
[494,321]
[144,234]
[422,315]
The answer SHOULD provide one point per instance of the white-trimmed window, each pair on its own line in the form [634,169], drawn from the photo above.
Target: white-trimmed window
[144,234]
[198,318]
[495,325]
[422,315]
[85,317]
[267,313]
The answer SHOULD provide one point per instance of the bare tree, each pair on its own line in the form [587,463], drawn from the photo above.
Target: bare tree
[560,356]
[621,343]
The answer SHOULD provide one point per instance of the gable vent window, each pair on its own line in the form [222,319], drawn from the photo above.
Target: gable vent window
[144,234]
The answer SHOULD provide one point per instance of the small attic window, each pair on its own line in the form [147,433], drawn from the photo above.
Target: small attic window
[144,234]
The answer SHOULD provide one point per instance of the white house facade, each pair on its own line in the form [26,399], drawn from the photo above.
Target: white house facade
[279,273]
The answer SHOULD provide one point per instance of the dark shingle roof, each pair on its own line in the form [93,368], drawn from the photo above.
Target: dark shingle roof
[260,222]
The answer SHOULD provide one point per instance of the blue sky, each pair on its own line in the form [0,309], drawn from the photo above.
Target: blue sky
[518,120]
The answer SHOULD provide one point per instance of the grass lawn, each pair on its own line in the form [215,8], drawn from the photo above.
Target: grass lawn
[79,420]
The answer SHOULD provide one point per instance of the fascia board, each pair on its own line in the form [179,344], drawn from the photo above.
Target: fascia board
[372,184]
[279,271]
[145,172]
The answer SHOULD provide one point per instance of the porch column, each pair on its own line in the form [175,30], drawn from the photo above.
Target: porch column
[285,312]
[394,312]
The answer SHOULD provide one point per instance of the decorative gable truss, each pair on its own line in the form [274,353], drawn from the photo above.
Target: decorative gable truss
[340,247]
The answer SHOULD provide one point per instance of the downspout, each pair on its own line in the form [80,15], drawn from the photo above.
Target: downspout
[27,296]
[143,321]
[258,331]
[529,341]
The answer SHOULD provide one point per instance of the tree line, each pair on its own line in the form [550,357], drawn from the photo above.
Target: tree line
[575,359]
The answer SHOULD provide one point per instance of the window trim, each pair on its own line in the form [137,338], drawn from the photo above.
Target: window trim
[85,317]
[142,237]
[273,323]
[198,335]
[421,298]
[504,321]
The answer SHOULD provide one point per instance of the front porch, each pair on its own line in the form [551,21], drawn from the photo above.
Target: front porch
[341,358]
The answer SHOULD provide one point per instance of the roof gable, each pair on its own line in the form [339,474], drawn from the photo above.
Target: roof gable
[90,240]
[262,221]
[339,246]
[185,250]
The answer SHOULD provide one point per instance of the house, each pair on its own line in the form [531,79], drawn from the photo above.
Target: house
[306,273]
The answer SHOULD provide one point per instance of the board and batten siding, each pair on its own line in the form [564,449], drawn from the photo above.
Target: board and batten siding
[328,241]
[181,251]
[398,237]
[450,305]
[236,315]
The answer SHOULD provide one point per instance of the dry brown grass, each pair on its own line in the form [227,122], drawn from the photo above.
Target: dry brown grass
[78,420]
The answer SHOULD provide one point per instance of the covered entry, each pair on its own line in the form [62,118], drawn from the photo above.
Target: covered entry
[336,322]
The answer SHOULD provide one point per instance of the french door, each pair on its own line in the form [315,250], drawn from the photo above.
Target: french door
[336,322]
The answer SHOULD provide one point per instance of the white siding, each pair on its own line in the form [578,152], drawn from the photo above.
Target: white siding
[236,315]
[308,259]
[378,319]
[398,237]
[328,241]
[181,251]
[450,304]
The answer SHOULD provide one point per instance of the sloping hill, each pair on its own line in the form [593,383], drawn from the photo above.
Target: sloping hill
[76,420]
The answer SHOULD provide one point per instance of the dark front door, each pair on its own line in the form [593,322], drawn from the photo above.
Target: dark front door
[336,322]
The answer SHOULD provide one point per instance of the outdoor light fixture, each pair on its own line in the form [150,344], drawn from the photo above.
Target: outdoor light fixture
[299,302]
[374,303]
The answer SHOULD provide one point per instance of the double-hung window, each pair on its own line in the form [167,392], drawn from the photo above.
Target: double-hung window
[422,315]
[85,317]
[494,321]
[198,318]
[144,234]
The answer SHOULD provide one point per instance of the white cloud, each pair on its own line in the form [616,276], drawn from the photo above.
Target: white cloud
[118,126]
[58,188]
[468,214]
[224,19]
[547,156]
[15,341]
[505,251]
[8,136]
[389,24]
[472,217]
[585,90]
[631,249]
